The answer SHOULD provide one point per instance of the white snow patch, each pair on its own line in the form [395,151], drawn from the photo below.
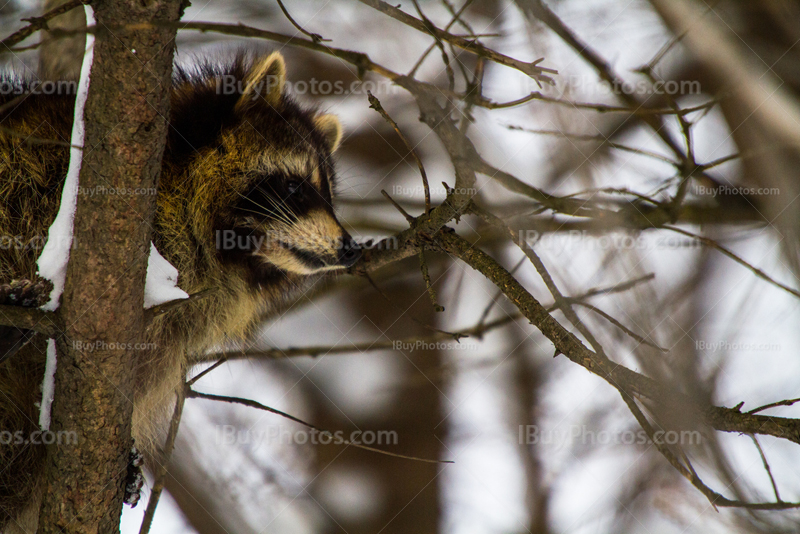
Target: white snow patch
[52,262]
[48,386]
[161,283]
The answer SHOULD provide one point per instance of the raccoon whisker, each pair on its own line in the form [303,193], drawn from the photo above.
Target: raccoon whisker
[254,211]
[260,213]
[267,211]
[280,205]
[290,216]
[282,213]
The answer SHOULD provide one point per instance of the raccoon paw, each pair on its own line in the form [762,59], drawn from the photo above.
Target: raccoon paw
[26,293]
[135,478]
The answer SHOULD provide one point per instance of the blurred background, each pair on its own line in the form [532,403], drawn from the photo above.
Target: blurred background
[539,445]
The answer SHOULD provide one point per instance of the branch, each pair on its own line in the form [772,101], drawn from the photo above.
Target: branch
[478,331]
[756,271]
[161,309]
[43,322]
[163,461]
[36,24]
[375,104]
[617,375]
[689,473]
[192,394]
[125,121]
[531,69]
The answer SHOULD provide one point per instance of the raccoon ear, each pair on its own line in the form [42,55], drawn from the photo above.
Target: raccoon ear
[330,127]
[265,80]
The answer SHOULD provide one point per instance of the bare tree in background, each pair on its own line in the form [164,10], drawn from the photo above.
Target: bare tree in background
[609,250]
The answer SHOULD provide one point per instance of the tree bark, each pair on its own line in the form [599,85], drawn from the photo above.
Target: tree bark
[126,124]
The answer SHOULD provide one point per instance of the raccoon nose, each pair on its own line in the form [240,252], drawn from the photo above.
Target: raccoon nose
[349,253]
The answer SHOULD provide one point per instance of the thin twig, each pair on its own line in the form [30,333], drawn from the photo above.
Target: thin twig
[449,25]
[477,331]
[423,265]
[713,244]
[37,23]
[621,326]
[689,474]
[454,335]
[375,104]
[163,462]
[531,69]
[451,79]
[317,38]
[409,218]
[788,402]
[767,468]
[192,394]
[598,138]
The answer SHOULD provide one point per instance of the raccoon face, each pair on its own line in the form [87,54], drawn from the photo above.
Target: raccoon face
[277,159]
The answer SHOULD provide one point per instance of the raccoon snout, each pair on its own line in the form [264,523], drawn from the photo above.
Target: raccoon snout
[349,253]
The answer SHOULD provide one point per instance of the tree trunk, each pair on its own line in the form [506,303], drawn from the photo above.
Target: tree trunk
[126,124]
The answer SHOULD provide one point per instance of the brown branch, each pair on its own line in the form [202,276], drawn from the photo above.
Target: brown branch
[618,376]
[756,271]
[477,331]
[531,69]
[787,402]
[163,462]
[317,38]
[36,24]
[43,322]
[767,468]
[161,309]
[689,473]
[83,482]
[375,104]
[192,394]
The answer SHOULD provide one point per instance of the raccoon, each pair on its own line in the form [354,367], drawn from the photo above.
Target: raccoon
[244,207]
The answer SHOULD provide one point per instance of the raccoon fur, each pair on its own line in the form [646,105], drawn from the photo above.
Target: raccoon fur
[244,206]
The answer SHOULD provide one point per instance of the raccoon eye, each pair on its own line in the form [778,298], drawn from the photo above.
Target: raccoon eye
[294,187]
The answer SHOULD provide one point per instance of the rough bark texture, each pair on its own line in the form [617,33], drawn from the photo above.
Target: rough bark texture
[125,118]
